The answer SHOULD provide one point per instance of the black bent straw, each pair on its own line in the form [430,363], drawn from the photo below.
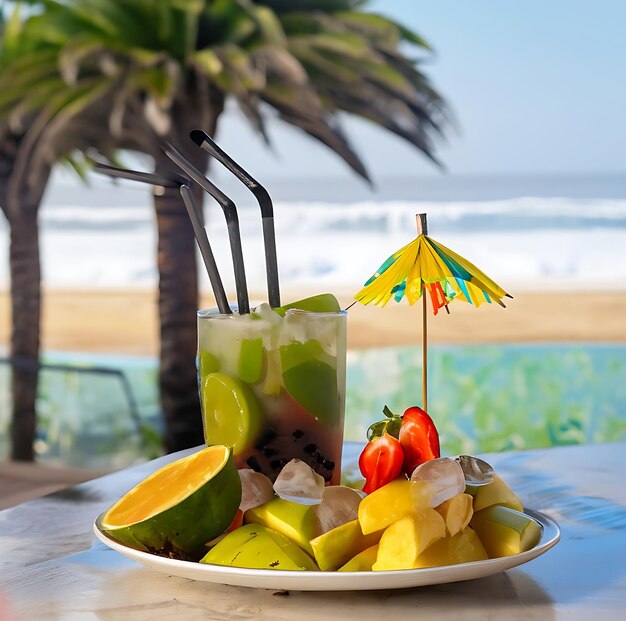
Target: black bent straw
[192,211]
[143,177]
[232,222]
[204,141]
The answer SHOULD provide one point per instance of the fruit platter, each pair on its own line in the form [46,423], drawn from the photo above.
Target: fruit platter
[443,520]
[263,505]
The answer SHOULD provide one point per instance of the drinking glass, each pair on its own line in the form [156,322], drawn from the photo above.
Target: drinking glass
[272,386]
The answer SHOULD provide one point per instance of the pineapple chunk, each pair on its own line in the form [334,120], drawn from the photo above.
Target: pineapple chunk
[464,547]
[363,561]
[391,502]
[404,541]
[456,512]
[336,547]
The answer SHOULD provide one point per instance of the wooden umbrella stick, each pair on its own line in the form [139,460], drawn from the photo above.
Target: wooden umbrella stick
[424,353]
[422,229]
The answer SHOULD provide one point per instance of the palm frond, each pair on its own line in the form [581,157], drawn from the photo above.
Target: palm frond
[308,60]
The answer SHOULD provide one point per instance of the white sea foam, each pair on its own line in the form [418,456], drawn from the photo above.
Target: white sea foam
[529,240]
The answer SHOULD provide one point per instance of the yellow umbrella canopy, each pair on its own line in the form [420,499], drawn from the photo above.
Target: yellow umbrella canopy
[425,265]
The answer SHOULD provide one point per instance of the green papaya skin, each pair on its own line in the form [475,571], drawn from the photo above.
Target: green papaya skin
[182,530]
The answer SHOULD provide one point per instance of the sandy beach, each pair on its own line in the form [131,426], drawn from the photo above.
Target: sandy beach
[125,322]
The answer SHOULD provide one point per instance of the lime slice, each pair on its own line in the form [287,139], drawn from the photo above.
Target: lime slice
[322,303]
[231,414]
[251,358]
[179,507]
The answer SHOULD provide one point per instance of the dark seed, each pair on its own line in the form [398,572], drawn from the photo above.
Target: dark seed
[297,434]
[266,438]
[278,463]
[319,468]
[319,458]
[329,465]
[253,462]
[310,449]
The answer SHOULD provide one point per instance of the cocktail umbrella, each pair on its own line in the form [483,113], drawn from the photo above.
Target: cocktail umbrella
[194,216]
[423,266]
[204,141]
[232,222]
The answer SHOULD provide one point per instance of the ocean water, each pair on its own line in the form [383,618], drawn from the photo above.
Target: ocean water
[524,231]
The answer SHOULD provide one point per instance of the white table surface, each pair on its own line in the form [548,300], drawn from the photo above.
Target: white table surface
[52,567]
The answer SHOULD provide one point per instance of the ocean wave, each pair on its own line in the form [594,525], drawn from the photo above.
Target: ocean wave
[532,212]
[531,239]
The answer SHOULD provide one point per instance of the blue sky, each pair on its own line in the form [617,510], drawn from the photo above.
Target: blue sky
[537,87]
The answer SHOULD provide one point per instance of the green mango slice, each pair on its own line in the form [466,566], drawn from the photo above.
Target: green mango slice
[207,363]
[297,353]
[322,303]
[254,546]
[310,380]
[251,359]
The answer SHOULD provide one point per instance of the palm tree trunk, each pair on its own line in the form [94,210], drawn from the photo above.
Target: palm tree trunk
[26,314]
[25,285]
[178,303]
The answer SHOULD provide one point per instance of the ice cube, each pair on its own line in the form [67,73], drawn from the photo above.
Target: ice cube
[477,471]
[264,311]
[303,326]
[268,325]
[298,482]
[444,477]
[340,505]
[256,489]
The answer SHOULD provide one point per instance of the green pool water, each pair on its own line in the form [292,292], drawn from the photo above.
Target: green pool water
[497,398]
[483,398]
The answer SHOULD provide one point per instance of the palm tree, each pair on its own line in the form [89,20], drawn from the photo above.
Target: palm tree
[25,274]
[142,71]
[21,190]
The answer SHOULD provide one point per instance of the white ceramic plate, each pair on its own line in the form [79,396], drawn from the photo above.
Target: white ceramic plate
[340,581]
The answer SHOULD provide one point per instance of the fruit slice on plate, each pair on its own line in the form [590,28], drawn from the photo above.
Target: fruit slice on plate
[456,512]
[178,508]
[336,547]
[231,413]
[363,561]
[463,547]
[404,541]
[254,546]
[391,502]
[296,521]
[504,531]
[495,493]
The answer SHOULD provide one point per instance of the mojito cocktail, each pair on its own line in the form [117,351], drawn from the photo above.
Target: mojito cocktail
[272,386]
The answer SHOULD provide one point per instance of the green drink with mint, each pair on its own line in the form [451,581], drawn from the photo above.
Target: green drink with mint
[272,385]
